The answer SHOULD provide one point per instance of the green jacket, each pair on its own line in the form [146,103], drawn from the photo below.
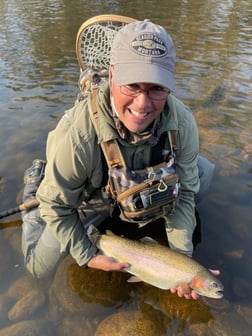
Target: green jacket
[74,170]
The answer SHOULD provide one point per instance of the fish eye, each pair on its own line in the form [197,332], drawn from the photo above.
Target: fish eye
[215,285]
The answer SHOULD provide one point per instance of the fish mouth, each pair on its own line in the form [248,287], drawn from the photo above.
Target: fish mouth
[215,295]
[219,291]
[218,294]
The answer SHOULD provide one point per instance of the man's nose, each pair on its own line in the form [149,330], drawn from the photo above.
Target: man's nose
[143,99]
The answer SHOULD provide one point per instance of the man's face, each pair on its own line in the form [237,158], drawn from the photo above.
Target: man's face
[136,113]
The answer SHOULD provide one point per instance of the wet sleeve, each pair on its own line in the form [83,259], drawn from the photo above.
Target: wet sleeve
[72,167]
[180,225]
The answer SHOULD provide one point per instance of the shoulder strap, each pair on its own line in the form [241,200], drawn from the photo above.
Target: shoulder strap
[173,135]
[173,140]
[110,148]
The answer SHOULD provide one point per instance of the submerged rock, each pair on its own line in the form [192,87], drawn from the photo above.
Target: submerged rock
[198,329]
[27,306]
[172,306]
[246,312]
[27,297]
[75,327]
[88,290]
[29,328]
[21,287]
[128,323]
[231,323]
[5,305]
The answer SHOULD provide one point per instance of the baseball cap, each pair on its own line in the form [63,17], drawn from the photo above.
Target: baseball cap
[143,52]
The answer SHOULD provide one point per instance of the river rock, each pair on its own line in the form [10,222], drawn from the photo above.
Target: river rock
[198,329]
[5,305]
[231,323]
[246,312]
[128,323]
[27,306]
[172,306]
[75,326]
[88,290]
[20,288]
[29,328]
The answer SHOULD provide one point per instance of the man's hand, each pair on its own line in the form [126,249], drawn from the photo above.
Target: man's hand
[105,263]
[187,292]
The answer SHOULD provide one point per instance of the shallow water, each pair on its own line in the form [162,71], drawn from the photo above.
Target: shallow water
[39,74]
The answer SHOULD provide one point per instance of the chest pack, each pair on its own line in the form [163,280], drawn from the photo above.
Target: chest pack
[141,196]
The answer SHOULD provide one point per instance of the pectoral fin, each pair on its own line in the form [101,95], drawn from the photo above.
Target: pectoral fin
[148,240]
[134,279]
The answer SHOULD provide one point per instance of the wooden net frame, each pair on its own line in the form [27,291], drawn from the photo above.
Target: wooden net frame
[94,39]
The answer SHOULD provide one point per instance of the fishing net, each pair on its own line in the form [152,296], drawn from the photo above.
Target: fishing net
[94,40]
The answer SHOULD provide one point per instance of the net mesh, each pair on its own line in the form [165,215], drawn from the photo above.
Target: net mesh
[95,43]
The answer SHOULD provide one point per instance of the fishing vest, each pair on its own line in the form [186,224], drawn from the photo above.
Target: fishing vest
[141,196]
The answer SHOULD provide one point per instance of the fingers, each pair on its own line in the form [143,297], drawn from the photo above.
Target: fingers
[194,295]
[215,272]
[115,266]
[105,263]
[185,291]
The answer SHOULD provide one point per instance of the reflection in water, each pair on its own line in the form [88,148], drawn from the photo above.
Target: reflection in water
[39,74]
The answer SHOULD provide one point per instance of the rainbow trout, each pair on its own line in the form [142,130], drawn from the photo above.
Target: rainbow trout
[156,264]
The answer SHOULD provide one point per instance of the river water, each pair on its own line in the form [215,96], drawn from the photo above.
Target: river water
[39,74]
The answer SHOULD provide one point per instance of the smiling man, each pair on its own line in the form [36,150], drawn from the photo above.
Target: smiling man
[155,135]
[138,105]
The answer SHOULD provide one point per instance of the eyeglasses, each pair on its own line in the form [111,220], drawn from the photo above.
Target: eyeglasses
[155,93]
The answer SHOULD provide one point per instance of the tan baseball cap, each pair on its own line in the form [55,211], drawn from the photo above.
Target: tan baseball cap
[143,52]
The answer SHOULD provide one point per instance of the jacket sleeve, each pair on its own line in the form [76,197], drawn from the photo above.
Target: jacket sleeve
[180,225]
[72,170]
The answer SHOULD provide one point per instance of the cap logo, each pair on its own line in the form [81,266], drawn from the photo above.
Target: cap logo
[149,44]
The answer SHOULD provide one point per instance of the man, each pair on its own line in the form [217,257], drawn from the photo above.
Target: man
[136,108]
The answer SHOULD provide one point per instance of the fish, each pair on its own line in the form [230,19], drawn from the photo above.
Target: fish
[156,264]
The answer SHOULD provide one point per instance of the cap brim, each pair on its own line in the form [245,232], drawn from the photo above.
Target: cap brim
[125,74]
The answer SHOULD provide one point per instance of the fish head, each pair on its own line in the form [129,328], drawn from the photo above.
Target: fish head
[207,286]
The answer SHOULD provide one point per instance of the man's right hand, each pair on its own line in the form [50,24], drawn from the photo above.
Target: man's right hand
[105,263]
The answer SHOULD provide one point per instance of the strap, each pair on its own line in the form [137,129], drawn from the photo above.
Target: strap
[173,140]
[110,148]
[173,135]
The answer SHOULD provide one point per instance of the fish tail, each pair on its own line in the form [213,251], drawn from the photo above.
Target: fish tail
[93,233]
